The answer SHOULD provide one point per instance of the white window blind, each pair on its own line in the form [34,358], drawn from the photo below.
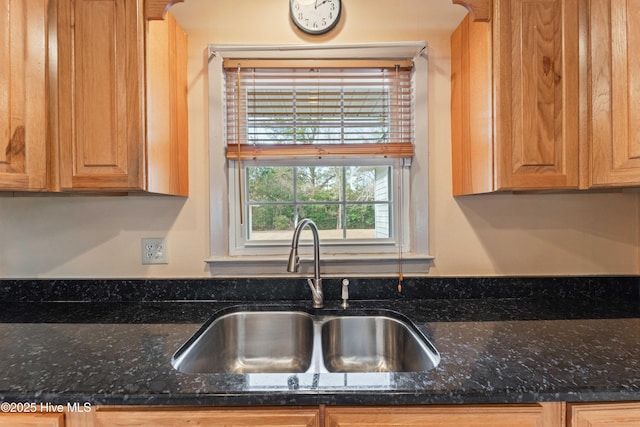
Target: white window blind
[334,108]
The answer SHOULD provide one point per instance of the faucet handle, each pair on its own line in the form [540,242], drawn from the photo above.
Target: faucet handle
[345,293]
[316,291]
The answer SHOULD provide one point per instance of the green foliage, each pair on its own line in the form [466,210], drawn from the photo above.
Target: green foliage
[319,192]
[326,217]
[270,184]
[271,189]
[361,217]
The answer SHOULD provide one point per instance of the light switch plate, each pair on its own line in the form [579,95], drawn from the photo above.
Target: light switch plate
[154,251]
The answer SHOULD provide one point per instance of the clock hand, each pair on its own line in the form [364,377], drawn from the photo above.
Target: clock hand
[323,2]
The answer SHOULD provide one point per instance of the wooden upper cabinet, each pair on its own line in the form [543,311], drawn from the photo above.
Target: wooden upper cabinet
[515,98]
[106,135]
[613,71]
[536,86]
[100,53]
[23,89]
[167,121]
[472,108]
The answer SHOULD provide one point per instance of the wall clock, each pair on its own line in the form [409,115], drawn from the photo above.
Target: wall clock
[315,16]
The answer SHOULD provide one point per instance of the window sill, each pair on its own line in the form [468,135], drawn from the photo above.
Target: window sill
[331,266]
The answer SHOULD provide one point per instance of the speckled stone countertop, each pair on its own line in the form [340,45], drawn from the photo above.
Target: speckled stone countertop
[499,348]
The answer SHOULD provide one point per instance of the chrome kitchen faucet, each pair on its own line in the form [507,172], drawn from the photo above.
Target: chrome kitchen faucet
[294,260]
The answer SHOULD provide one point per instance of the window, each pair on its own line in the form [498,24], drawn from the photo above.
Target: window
[327,139]
[345,202]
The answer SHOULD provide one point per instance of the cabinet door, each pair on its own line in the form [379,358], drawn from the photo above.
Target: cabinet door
[100,93]
[32,420]
[179,417]
[604,415]
[23,120]
[535,47]
[537,415]
[614,77]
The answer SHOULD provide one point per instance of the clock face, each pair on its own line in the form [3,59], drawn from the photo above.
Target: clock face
[315,16]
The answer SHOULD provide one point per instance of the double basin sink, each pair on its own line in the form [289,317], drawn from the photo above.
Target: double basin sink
[243,340]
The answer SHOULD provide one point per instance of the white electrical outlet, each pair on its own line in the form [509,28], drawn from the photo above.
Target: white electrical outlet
[154,251]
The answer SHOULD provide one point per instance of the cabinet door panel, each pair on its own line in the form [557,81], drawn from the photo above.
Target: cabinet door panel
[542,415]
[614,68]
[536,80]
[23,110]
[224,417]
[604,415]
[32,420]
[100,94]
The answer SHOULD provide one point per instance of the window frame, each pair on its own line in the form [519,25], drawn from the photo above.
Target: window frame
[229,257]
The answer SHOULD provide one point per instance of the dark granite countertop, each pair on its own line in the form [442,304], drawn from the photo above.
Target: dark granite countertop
[494,350]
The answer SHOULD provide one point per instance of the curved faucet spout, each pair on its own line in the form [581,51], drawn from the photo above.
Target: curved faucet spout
[294,260]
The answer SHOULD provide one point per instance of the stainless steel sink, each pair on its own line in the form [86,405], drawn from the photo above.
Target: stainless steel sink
[375,344]
[250,342]
[246,341]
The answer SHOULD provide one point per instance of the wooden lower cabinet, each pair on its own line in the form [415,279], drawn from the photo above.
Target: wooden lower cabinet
[526,415]
[605,414]
[192,416]
[31,420]
[553,414]
[534,415]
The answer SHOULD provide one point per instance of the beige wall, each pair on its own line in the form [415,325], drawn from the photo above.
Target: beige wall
[52,237]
